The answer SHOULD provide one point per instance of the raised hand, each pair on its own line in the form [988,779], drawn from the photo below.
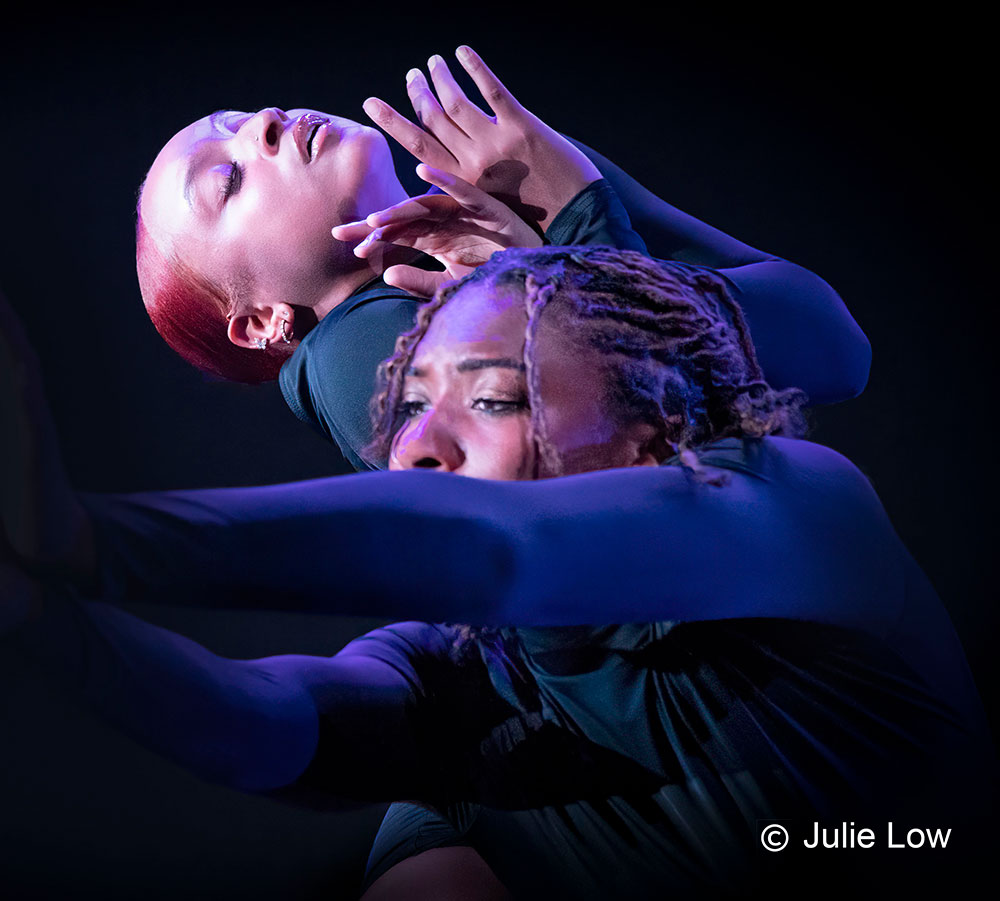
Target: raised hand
[461,229]
[43,522]
[511,155]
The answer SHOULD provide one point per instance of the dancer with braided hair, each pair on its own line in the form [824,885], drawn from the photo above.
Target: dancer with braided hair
[241,275]
[702,623]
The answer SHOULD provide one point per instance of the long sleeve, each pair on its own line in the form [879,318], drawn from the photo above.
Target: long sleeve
[249,724]
[341,728]
[669,233]
[796,532]
[804,335]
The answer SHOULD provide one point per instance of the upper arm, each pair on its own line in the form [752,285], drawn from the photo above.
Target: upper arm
[801,534]
[805,539]
[375,705]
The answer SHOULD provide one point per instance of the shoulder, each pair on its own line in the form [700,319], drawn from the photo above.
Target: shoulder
[330,378]
[378,315]
[813,468]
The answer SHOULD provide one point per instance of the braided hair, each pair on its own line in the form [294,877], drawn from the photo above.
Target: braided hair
[678,350]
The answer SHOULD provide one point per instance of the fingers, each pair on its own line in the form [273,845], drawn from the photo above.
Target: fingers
[455,104]
[473,200]
[427,206]
[424,146]
[351,232]
[429,112]
[497,97]
[419,282]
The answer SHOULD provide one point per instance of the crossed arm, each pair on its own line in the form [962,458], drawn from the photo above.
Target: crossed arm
[804,335]
[795,532]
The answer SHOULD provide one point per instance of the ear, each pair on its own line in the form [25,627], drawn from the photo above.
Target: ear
[273,323]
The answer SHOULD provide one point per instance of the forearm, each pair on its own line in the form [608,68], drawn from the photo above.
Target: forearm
[614,546]
[349,545]
[804,335]
[240,723]
[669,233]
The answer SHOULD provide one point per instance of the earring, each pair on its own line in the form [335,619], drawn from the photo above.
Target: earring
[260,343]
[287,338]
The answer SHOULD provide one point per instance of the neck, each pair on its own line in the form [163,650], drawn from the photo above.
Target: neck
[349,282]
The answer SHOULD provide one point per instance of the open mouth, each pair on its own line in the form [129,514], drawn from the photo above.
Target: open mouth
[309,141]
[307,136]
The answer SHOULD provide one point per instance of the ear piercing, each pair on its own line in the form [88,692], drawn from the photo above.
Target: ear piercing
[286,337]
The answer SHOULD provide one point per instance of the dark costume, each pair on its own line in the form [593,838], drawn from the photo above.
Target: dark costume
[804,335]
[790,659]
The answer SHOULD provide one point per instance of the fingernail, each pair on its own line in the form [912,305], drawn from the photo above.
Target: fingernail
[464,53]
[432,173]
[413,73]
[433,61]
[370,106]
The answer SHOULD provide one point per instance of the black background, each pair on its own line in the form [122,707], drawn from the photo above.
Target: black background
[851,144]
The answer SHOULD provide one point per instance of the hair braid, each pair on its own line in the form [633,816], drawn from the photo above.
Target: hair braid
[536,295]
[678,348]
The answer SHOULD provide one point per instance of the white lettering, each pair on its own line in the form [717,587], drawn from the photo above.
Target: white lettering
[937,840]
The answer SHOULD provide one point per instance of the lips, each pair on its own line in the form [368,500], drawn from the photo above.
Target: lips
[304,131]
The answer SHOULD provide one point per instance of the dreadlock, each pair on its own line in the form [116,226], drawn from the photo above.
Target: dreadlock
[677,345]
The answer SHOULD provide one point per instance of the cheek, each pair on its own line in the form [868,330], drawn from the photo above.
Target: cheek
[365,180]
[503,451]
[397,448]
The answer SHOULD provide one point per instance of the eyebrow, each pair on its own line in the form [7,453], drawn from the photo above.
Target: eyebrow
[474,364]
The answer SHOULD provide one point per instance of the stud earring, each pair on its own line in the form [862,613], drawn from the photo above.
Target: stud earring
[260,343]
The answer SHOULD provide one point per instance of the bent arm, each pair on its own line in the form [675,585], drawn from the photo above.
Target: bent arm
[804,335]
[798,535]
[253,725]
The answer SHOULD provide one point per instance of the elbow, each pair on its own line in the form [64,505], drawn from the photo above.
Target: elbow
[265,747]
[861,367]
[837,339]
[855,366]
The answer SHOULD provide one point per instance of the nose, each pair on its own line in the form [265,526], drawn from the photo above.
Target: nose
[265,129]
[428,443]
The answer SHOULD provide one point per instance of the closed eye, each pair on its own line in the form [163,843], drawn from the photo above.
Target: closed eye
[233,181]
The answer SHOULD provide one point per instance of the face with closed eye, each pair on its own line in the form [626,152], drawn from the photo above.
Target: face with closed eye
[249,199]
[465,400]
